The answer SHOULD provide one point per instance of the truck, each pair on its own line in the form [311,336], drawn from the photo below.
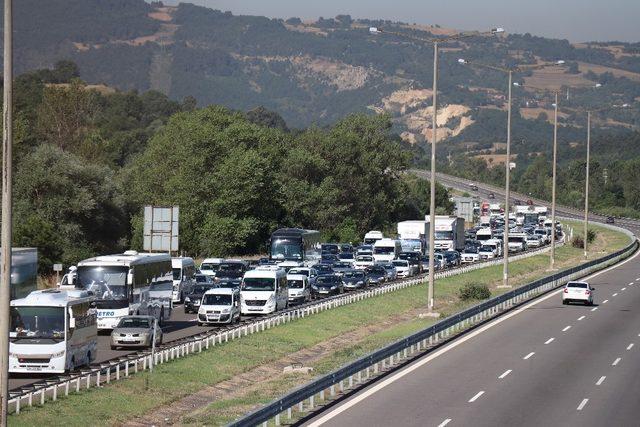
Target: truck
[449,232]
[413,235]
[372,236]
[385,250]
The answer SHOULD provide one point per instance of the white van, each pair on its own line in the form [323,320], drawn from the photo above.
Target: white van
[385,250]
[264,290]
[184,271]
[210,266]
[299,289]
[219,305]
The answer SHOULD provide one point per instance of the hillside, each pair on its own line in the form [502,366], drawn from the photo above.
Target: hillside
[317,72]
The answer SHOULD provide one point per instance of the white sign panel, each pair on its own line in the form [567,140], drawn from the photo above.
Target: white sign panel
[161,228]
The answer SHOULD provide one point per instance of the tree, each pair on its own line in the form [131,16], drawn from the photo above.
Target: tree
[263,117]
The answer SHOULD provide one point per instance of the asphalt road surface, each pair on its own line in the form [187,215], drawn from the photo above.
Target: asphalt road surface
[544,364]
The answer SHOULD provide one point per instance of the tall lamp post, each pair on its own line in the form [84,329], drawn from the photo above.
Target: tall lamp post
[509,71]
[432,201]
[5,239]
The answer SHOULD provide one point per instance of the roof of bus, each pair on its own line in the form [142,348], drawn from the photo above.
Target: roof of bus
[294,232]
[125,259]
[178,262]
[52,298]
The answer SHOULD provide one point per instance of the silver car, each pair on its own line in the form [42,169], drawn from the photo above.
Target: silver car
[135,331]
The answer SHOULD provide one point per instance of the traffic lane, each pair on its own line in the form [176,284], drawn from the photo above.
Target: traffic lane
[433,392]
[556,386]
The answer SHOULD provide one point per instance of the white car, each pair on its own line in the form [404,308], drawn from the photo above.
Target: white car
[403,269]
[219,305]
[364,261]
[469,257]
[299,288]
[486,252]
[577,292]
[533,241]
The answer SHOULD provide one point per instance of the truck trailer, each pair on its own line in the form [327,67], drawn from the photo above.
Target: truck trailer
[449,232]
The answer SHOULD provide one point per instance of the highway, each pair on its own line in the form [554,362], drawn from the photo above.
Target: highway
[542,364]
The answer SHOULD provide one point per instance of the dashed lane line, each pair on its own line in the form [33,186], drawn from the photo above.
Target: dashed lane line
[474,398]
[582,404]
[566,328]
[615,362]
[581,317]
[529,355]
[445,422]
[549,341]
[601,380]
[505,373]
[630,346]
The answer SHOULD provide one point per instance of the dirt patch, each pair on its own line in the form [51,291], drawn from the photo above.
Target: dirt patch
[554,78]
[600,69]
[252,380]
[533,113]
[162,14]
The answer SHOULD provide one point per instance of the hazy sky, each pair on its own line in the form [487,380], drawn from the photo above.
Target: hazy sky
[576,20]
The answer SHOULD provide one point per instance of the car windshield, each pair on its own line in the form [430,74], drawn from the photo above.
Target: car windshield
[298,271]
[325,280]
[389,267]
[202,279]
[443,235]
[295,284]
[345,256]
[200,289]
[342,265]
[577,285]
[399,263]
[376,270]
[330,248]
[365,258]
[486,248]
[134,322]
[105,282]
[353,274]
[258,284]
[216,299]
[384,250]
[37,322]
[229,284]
[209,267]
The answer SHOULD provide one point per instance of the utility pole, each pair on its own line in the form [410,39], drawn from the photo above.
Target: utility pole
[432,204]
[552,260]
[5,239]
[586,186]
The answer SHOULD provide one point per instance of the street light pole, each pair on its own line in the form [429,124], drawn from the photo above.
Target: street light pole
[432,204]
[586,189]
[507,193]
[553,189]
[5,239]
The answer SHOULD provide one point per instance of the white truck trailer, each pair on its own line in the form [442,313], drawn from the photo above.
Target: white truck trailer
[413,235]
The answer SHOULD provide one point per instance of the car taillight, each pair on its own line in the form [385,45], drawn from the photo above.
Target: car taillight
[566,291]
[588,292]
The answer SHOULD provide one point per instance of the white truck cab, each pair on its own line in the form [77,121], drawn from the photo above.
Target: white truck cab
[219,305]
[184,271]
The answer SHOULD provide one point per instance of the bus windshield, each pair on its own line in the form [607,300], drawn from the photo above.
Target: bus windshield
[37,322]
[286,249]
[386,250]
[106,282]
[258,284]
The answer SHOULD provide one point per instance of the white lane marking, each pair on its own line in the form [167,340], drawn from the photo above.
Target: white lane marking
[638,279]
[529,355]
[605,301]
[505,373]
[549,341]
[616,294]
[390,380]
[566,328]
[594,308]
[623,288]
[630,283]
[582,404]
[581,317]
[630,346]
[615,362]
[474,398]
[445,422]
[601,380]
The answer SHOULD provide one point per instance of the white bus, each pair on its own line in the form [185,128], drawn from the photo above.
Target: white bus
[264,290]
[52,331]
[128,283]
[385,250]
[184,271]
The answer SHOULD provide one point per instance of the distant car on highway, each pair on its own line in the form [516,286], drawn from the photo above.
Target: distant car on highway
[340,267]
[577,292]
[135,331]
[219,305]
[491,196]
[403,267]
[323,269]
[473,187]
[376,275]
[330,284]
[364,261]
[355,279]
[390,269]
[610,220]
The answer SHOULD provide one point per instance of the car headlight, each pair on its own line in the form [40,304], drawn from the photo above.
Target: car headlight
[187,299]
[58,354]
[314,287]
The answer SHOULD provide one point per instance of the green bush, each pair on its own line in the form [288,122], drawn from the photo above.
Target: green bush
[578,242]
[472,291]
[591,235]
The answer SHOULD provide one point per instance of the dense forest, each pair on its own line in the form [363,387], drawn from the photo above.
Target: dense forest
[87,162]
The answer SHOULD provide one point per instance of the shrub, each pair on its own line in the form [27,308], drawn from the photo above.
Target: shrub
[591,235]
[577,242]
[477,291]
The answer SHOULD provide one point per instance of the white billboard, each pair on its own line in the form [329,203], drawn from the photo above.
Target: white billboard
[161,228]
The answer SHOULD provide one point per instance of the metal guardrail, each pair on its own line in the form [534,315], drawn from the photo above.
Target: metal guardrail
[122,367]
[367,367]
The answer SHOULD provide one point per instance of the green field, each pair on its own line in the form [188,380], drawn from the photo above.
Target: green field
[145,393]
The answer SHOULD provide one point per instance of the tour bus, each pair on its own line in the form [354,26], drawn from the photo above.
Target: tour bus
[184,271]
[52,331]
[264,290]
[386,250]
[128,283]
[295,244]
